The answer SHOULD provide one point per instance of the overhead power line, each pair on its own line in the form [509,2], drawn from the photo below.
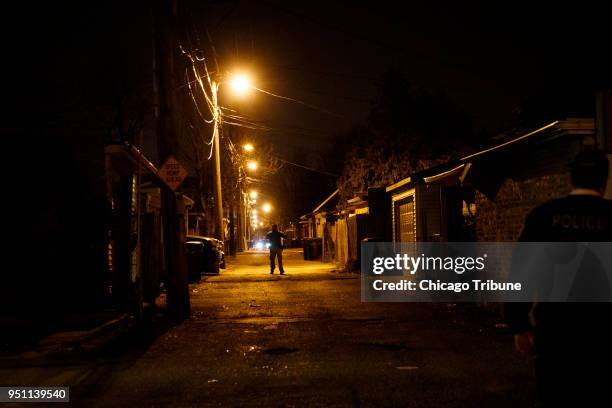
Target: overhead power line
[317,108]
[306,167]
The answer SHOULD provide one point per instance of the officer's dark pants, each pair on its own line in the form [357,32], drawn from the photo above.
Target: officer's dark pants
[572,369]
[276,253]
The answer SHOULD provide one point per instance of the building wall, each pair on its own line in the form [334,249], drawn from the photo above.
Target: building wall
[57,216]
[502,219]
[429,217]
[357,229]
[608,194]
[342,250]
[319,225]
[329,241]
[541,174]
[379,210]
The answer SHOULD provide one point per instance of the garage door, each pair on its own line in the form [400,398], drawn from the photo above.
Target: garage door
[405,228]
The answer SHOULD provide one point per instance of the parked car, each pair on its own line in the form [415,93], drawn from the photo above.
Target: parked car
[204,255]
[262,244]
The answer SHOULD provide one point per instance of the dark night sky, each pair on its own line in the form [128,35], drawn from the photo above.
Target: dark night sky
[487,57]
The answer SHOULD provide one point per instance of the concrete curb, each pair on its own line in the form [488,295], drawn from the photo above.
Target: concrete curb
[72,344]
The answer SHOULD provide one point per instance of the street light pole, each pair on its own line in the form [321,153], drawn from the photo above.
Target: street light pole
[217,158]
[240,84]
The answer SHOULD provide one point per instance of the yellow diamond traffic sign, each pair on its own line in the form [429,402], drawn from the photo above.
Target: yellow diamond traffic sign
[172,173]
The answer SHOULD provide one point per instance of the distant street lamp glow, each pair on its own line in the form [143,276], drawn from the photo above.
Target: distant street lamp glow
[260,223]
[252,165]
[253,194]
[254,212]
[248,147]
[240,84]
[266,208]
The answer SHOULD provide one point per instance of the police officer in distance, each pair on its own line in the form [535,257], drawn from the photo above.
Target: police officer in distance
[275,237]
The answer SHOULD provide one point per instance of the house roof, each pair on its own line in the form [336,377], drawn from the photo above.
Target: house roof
[327,203]
[455,170]
[399,184]
[509,142]
[127,158]
[461,166]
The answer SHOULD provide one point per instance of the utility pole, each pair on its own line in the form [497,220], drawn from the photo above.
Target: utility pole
[217,157]
[241,217]
[164,49]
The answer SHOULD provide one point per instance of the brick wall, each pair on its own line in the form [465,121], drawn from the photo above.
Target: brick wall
[502,219]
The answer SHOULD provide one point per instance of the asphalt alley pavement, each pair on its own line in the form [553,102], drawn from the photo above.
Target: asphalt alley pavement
[305,339]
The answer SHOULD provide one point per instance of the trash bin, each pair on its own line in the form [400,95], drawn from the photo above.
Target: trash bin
[316,248]
[195,260]
[306,248]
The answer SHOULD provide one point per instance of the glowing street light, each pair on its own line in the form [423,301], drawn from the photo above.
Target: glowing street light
[253,194]
[240,84]
[254,212]
[261,223]
[252,165]
[248,147]
[266,208]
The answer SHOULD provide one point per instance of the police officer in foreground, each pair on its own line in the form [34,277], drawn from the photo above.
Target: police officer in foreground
[571,342]
[275,237]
